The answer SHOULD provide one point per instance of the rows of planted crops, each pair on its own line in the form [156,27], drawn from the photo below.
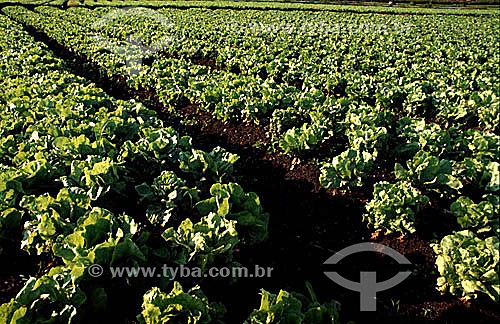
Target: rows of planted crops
[384,8]
[71,158]
[413,98]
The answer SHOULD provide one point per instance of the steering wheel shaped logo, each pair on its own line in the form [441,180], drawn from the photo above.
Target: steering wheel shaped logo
[133,48]
[368,285]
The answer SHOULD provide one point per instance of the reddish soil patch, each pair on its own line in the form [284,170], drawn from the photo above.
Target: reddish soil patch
[206,61]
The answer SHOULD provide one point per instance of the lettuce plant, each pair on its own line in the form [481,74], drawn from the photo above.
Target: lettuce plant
[482,216]
[231,202]
[96,174]
[214,166]
[179,307]
[164,197]
[156,145]
[346,169]
[417,135]
[481,173]
[487,105]
[429,173]
[367,138]
[101,238]
[293,308]
[394,207]
[202,243]
[51,217]
[468,265]
[10,188]
[483,145]
[308,136]
[366,130]
[73,148]
[52,298]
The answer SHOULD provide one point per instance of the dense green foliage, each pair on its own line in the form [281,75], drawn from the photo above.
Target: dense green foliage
[293,308]
[468,265]
[67,147]
[178,306]
[288,5]
[414,98]
[394,206]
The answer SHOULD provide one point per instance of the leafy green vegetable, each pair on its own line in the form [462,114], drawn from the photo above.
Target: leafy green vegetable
[52,217]
[487,104]
[483,145]
[310,135]
[215,166]
[481,217]
[96,174]
[179,307]
[164,197]
[52,298]
[417,135]
[468,265]
[346,169]
[293,308]
[100,238]
[427,171]
[394,207]
[229,201]
[213,237]
[482,174]
[157,144]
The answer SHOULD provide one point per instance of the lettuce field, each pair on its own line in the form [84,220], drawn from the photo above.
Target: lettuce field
[219,135]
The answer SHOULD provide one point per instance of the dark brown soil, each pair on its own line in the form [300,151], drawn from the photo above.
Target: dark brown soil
[16,266]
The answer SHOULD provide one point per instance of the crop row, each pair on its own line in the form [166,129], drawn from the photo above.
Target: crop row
[288,6]
[72,159]
[455,102]
[393,72]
